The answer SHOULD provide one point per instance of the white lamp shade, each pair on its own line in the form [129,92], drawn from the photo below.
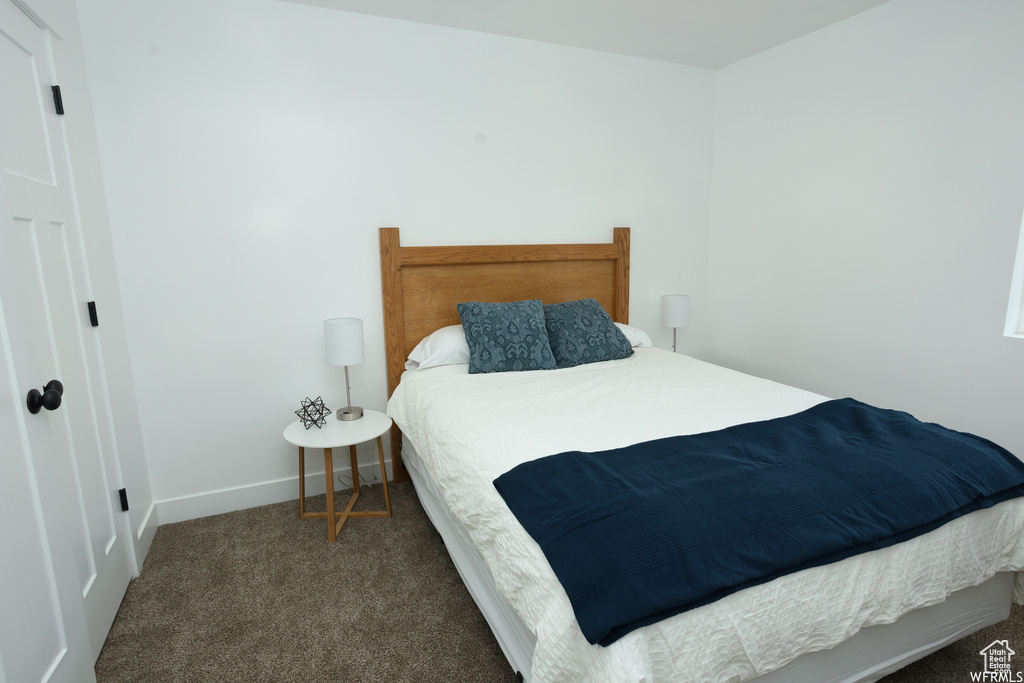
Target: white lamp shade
[675,310]
[343,341]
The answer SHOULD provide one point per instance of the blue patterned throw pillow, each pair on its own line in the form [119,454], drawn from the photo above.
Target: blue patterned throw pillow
[582,332]
[506,337]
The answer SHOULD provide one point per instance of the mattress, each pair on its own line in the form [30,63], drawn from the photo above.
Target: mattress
[872,653]
[469,429]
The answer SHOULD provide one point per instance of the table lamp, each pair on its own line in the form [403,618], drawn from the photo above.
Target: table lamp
[675,313]
[343,345]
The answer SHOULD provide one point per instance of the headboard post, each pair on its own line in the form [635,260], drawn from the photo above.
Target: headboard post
[622,275]
[394,332]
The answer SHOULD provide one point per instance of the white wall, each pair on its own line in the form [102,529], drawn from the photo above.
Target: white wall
[251,149]
[868,186]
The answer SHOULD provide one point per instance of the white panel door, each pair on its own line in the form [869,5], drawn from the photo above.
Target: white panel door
[43,634]
[44,289]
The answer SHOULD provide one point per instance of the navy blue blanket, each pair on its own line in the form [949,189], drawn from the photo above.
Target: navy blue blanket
[641,533]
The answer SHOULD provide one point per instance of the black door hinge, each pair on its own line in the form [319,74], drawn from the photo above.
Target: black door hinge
[93,319]
[58,102]
[124,499]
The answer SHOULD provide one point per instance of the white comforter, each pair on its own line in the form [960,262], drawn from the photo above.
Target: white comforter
[468,429]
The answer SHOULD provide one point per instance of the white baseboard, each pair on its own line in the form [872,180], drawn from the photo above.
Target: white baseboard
[253,495]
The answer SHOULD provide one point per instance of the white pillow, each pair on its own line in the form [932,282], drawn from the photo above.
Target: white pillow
[446,346]
[636,336]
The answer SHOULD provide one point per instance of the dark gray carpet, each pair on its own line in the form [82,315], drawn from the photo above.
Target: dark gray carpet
[260,595]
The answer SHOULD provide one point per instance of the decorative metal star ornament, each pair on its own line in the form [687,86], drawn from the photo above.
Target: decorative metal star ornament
[313,412]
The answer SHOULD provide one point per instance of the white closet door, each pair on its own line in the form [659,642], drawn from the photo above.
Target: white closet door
[66,465]
[43,634]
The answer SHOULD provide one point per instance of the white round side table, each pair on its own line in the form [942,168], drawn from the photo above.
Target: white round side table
[337,434]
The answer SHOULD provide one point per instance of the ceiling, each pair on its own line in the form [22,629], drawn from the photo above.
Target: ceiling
[702,33]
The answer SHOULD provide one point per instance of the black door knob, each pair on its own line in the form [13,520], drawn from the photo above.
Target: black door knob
[49,398]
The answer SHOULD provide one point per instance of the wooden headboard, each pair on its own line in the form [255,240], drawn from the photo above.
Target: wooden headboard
[423,285]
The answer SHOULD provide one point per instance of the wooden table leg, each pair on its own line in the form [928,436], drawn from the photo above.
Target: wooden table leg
[332,532]
[347,512]
[337,518]
[384,475]
[302,481]
[355,468]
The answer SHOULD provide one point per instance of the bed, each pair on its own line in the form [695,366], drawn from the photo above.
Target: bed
[853,620]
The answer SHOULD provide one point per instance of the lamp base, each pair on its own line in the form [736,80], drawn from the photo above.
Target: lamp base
[349,413]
